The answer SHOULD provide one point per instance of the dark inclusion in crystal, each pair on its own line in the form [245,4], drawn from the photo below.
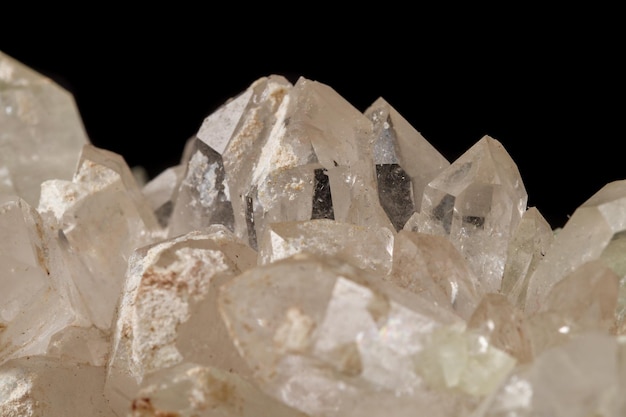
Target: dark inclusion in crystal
[322,198]
[252,239]
[164,213]
[476,221]
[444,211]
[395,193]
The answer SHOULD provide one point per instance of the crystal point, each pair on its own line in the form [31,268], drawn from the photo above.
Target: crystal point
[41,134]
[476,202]
[405,162]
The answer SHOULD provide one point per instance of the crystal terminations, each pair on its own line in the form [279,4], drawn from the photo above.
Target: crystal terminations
[303,259]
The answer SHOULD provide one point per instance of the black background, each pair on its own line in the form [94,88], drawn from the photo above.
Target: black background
[547,86]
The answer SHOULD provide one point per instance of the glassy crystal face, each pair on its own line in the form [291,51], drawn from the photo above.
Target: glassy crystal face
[304,258]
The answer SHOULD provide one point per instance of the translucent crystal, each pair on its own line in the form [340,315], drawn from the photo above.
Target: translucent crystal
[41,132]
[591,231]
[316,163]
[101,217]
[477,202]
[576,379]
[283,318]
[221,159]
[528,245]
[464,360]
[37,297]
[161,192]
[430,265]
[366,247]
[584,301]
[405,162]
[504,325]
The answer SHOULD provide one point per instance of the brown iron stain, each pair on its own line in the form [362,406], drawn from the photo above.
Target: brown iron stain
[143,407]
[173,280]
[167,280]
[41,252]
[222,392]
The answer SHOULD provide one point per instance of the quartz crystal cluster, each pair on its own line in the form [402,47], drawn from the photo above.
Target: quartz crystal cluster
[305,258]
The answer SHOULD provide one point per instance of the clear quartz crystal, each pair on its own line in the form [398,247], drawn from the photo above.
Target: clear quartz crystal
[405,162]
[316,163]
[217,182]
[476,202]
[41,132]
[304,258]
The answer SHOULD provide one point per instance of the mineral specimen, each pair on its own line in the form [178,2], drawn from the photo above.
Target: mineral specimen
[304,258]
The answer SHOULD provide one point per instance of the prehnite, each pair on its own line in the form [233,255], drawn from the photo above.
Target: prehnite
[303,259]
